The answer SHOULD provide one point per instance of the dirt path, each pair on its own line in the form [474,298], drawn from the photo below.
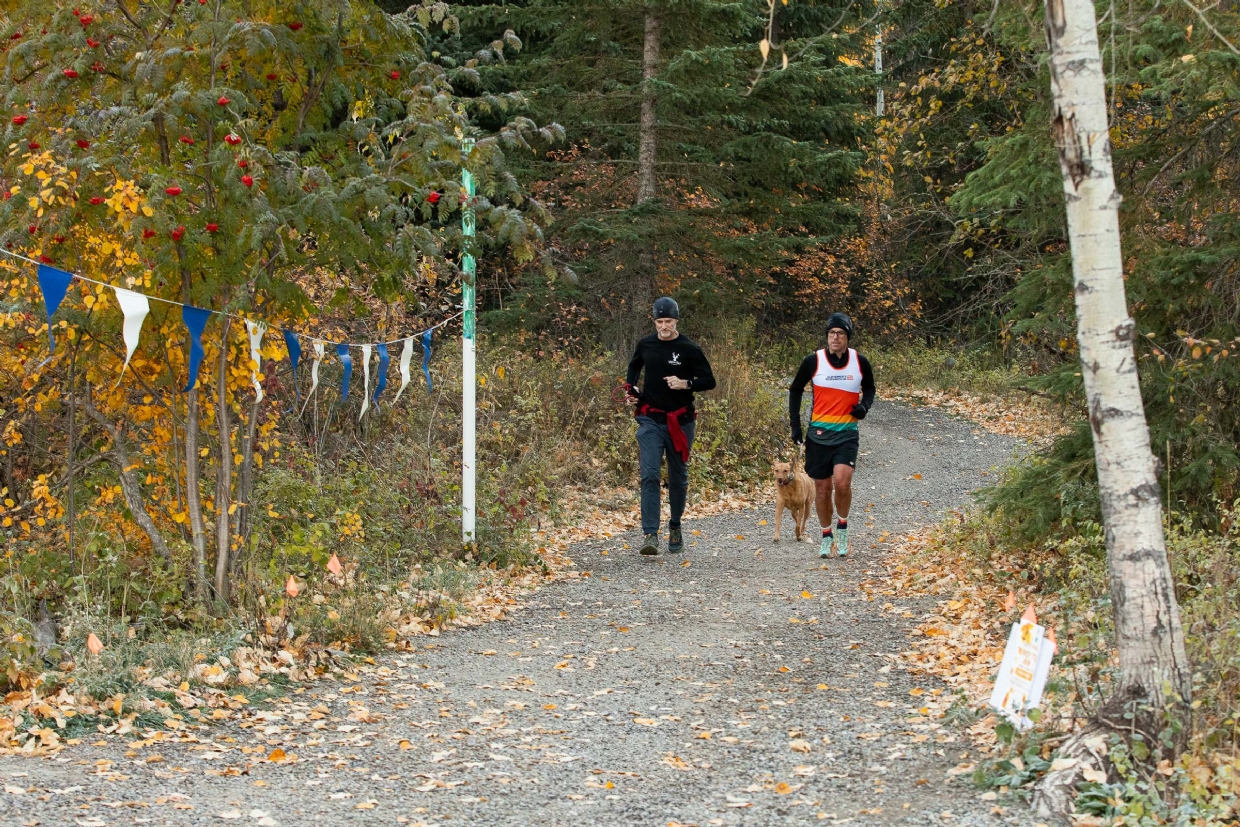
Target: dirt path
[741,683]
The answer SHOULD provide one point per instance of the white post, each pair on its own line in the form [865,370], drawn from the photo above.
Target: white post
[468,356]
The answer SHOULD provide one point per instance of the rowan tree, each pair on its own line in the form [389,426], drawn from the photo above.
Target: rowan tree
[212,153]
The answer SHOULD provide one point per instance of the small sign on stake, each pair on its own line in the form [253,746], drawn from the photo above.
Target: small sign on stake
[1023,671]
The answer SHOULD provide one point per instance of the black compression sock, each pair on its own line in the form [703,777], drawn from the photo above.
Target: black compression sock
[841,523]
[826,532]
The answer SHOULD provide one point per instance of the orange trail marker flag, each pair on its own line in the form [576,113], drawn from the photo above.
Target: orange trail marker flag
[1009,602]
[291,586]
[1029,616]
[333,565]
[93,644]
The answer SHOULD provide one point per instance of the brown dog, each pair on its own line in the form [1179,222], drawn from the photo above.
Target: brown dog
[794,490]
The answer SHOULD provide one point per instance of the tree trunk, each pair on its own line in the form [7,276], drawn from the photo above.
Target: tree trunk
[130,488]
[224,473]
[643,277]
[193,496]
[1154,671]
[245,485]
[647,151]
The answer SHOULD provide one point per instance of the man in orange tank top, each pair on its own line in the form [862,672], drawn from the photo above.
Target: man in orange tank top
[843,391]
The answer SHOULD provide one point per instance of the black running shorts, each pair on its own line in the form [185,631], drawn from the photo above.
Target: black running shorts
[820,460]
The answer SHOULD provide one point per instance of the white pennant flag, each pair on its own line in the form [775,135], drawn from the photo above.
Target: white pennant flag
[256,331]
[406,356]
[135,307]
[366,376]
[314,372]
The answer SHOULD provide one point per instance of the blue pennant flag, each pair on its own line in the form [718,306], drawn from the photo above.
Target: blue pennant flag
[294,355]
[54,284]
[343,352]
[426,357]
[195,319]
[384,361]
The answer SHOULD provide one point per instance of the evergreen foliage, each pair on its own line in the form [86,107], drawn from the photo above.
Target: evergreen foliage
[977,217]
[754,169]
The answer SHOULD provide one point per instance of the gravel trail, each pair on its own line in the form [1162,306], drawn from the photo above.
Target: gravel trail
[702,688]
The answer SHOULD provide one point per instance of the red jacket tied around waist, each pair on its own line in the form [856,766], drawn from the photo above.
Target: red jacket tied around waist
[680,442]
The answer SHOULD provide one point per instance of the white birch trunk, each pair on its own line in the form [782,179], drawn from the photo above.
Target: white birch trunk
[1147,619]
[1154,671]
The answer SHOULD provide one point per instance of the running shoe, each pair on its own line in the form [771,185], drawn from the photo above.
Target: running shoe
[841,541]
[675,541]
[824,548]
[651,545]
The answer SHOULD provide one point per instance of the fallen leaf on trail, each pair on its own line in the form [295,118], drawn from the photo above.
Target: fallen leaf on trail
[646,721]
[1096,776]
[703,736]
[799,745]
[686,564]
[884,704]
[917,691]
[551,706]
[405,744]
[808,595]
[783,669]
[622,628]
[740,536]
[676,761]
[783,788]
[229,815]
[961,769]
[13,790]
[761,522]
[917,476]
[1063,764]
[276,755]
[93,644]
[366,805]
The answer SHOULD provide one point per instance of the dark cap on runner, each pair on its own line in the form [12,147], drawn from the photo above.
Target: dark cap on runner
[841,321]
[666,308]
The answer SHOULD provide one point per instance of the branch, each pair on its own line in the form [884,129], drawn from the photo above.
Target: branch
[1183,151]
[1201,13]
[129,485]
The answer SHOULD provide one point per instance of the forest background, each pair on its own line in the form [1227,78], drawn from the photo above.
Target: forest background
[726,153]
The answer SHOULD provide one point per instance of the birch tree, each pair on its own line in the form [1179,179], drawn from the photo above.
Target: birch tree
[1153,669]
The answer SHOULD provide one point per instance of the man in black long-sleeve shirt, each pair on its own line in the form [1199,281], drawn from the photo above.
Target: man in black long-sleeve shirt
[675,368]
[843,384]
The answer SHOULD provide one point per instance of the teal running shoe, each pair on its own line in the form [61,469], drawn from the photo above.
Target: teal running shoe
[841,541]
[824,549]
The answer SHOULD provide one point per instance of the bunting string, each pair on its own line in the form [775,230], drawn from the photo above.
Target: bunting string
[135,307]
[70,276]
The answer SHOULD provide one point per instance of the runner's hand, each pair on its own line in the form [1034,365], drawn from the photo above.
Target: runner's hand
[677,384]
[859,411]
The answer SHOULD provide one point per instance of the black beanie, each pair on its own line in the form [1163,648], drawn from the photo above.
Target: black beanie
[666,308]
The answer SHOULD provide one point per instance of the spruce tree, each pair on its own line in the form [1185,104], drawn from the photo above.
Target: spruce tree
[686,170]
